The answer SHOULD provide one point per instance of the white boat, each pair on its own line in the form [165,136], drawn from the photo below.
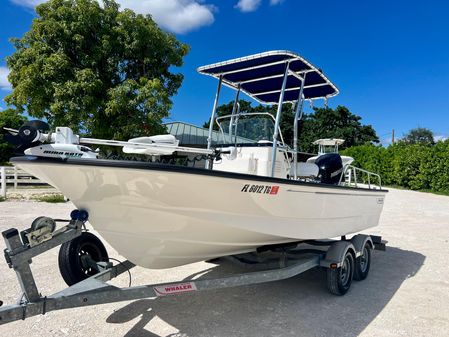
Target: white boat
[252,192]
[330,145]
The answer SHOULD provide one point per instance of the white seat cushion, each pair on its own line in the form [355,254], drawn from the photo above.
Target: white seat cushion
[306,169]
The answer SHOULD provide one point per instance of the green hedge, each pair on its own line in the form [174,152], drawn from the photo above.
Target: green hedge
[413,166]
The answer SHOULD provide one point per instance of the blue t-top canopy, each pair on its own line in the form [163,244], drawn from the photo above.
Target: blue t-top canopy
[260,76]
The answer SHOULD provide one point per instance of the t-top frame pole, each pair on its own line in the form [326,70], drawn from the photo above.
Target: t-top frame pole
[278,119]
[298,116]
[234,111]
[212,118]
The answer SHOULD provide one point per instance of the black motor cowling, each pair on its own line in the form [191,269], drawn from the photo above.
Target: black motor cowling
[330,168]
[27,136]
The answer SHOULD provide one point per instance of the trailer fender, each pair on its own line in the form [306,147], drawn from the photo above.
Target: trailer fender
[336,254]
[359,242]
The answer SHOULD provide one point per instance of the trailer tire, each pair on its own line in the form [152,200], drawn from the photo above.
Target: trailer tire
[363,263]
[339,279]
[70,253]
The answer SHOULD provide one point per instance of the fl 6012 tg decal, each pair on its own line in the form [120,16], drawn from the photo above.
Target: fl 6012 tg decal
[262,189]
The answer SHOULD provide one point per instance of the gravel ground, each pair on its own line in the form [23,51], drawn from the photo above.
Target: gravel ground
[406,293]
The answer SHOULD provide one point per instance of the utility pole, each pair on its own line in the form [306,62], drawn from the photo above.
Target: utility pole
[392,137]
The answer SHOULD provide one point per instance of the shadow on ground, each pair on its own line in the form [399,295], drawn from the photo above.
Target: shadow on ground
[300,306]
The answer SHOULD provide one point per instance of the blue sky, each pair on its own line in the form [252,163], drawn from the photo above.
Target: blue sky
[390,59]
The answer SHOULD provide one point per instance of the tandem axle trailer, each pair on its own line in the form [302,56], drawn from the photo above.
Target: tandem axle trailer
[85,267]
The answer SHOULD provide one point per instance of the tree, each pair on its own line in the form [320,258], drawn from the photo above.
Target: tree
[419,136]
[322,123]
[12,119]
[226,109]
[96,69]
[334,123]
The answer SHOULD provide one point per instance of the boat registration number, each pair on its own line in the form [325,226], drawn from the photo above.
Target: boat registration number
[262,189]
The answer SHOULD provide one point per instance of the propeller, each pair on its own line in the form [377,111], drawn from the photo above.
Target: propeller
[27,136]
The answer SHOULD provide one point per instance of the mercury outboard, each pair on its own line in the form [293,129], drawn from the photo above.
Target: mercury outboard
[330,168]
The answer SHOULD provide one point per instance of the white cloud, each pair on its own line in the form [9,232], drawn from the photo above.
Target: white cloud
[275,2]
[28,3]
[442,138]
[177,16]
[248,5]
[4,83]
[386,141]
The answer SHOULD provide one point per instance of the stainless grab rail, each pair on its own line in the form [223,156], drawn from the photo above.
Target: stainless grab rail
[350,177]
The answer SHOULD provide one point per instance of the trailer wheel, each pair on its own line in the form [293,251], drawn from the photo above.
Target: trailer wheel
[363,263]
[72,265]
[339,280]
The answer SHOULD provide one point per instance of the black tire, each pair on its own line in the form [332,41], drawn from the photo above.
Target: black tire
[339,280]
[363,263]
[70,263]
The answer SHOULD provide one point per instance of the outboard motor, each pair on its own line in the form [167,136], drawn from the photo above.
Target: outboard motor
[330,168]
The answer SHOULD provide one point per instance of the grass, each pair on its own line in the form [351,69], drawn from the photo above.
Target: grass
[52,198]
[2,199]
[33,187]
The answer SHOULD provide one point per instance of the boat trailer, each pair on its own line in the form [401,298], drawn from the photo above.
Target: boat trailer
[344,260]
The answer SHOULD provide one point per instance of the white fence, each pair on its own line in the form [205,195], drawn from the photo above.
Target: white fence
[11,175]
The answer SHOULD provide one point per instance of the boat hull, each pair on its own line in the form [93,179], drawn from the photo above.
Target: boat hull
[159,216]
